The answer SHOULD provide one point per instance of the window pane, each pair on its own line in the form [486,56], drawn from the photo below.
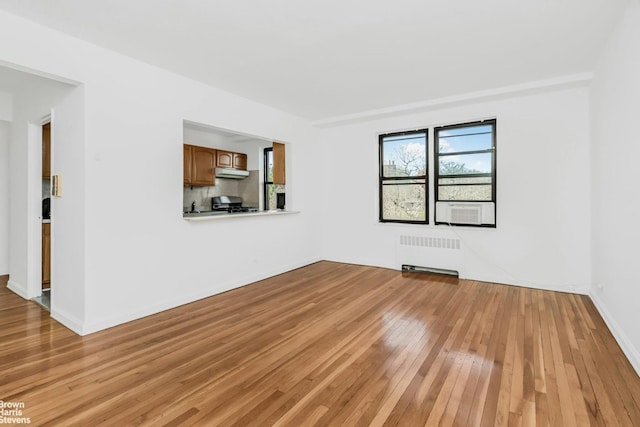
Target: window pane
[465,164]
[269,155]
[404,155]
[464,143]
[405,202]
[465,192]
[272,190]
[470,180]
[465,130]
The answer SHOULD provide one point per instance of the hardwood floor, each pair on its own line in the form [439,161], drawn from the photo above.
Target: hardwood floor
[328,344]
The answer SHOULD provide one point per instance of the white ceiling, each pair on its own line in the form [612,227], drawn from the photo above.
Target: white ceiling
[322,59]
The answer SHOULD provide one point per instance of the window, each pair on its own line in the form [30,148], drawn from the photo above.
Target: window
[270,189]
[403,177]
[465,175]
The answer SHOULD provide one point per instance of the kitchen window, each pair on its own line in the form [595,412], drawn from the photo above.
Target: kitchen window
[403,190]
[465,173]
[270,190]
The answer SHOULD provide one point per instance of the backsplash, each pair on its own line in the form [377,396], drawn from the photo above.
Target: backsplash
[247,188]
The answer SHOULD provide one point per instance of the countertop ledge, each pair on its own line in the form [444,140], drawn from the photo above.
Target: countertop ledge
[223,215]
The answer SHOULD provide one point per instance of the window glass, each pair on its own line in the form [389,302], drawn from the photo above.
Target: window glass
[464,130]
[405,155]
[465,192]
[404,202]
[456,144]
[462,164]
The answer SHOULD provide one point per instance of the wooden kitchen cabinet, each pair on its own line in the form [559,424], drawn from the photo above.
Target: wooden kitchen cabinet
[187,159]
[240,161]
[224,159]
[199,165]
[279,171]
[46,256]
[203,166]
[46,151]
[231,160]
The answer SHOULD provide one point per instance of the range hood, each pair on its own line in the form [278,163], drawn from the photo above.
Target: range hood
[231,173]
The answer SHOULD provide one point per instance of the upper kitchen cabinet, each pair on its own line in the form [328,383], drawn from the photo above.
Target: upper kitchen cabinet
[187,160]
[231,160]
[240,161]
[202,164]
[46,151]
[279,172]
[224,159]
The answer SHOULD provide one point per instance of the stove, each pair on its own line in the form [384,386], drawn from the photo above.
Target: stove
[231,204]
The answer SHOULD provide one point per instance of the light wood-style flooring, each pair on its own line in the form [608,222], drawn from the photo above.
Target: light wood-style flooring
[328,344]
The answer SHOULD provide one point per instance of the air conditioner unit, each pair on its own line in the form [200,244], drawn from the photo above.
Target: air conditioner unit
[466,213]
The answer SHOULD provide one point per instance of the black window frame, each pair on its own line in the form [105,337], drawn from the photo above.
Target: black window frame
[265,185]
[493,174]
[408,179]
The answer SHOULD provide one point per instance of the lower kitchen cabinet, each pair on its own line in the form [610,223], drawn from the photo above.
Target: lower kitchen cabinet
[46,256]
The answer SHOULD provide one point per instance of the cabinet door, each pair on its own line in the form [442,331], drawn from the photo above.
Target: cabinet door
[279,173]
[224,159]
[46,151]
[240,161]
[203,164]
[46,255]
[188,160]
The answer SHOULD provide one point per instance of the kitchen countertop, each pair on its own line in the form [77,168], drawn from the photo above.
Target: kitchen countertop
[46,221]
[210,215]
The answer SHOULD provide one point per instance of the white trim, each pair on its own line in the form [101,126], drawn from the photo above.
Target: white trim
[69,321]
[18,289]
[623,340]
[564,82]
[89,328]
[225,215]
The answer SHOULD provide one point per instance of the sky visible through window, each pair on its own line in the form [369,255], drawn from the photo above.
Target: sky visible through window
[407,152]
[463,140]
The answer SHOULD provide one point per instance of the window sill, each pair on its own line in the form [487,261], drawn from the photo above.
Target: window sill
[224,215]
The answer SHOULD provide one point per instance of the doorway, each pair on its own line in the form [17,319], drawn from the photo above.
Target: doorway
[45,298]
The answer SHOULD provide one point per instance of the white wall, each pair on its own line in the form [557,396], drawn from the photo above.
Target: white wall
[4,196]
[543,221]
[140,256]
[616,152]
[6,106]
[6,115]
[68,212]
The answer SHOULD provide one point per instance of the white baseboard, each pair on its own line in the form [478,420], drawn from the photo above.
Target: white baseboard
[119,319]
[18,289]
[68,321]
[624,342]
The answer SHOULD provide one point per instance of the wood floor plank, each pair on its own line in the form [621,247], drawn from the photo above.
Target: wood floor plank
[329,344]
